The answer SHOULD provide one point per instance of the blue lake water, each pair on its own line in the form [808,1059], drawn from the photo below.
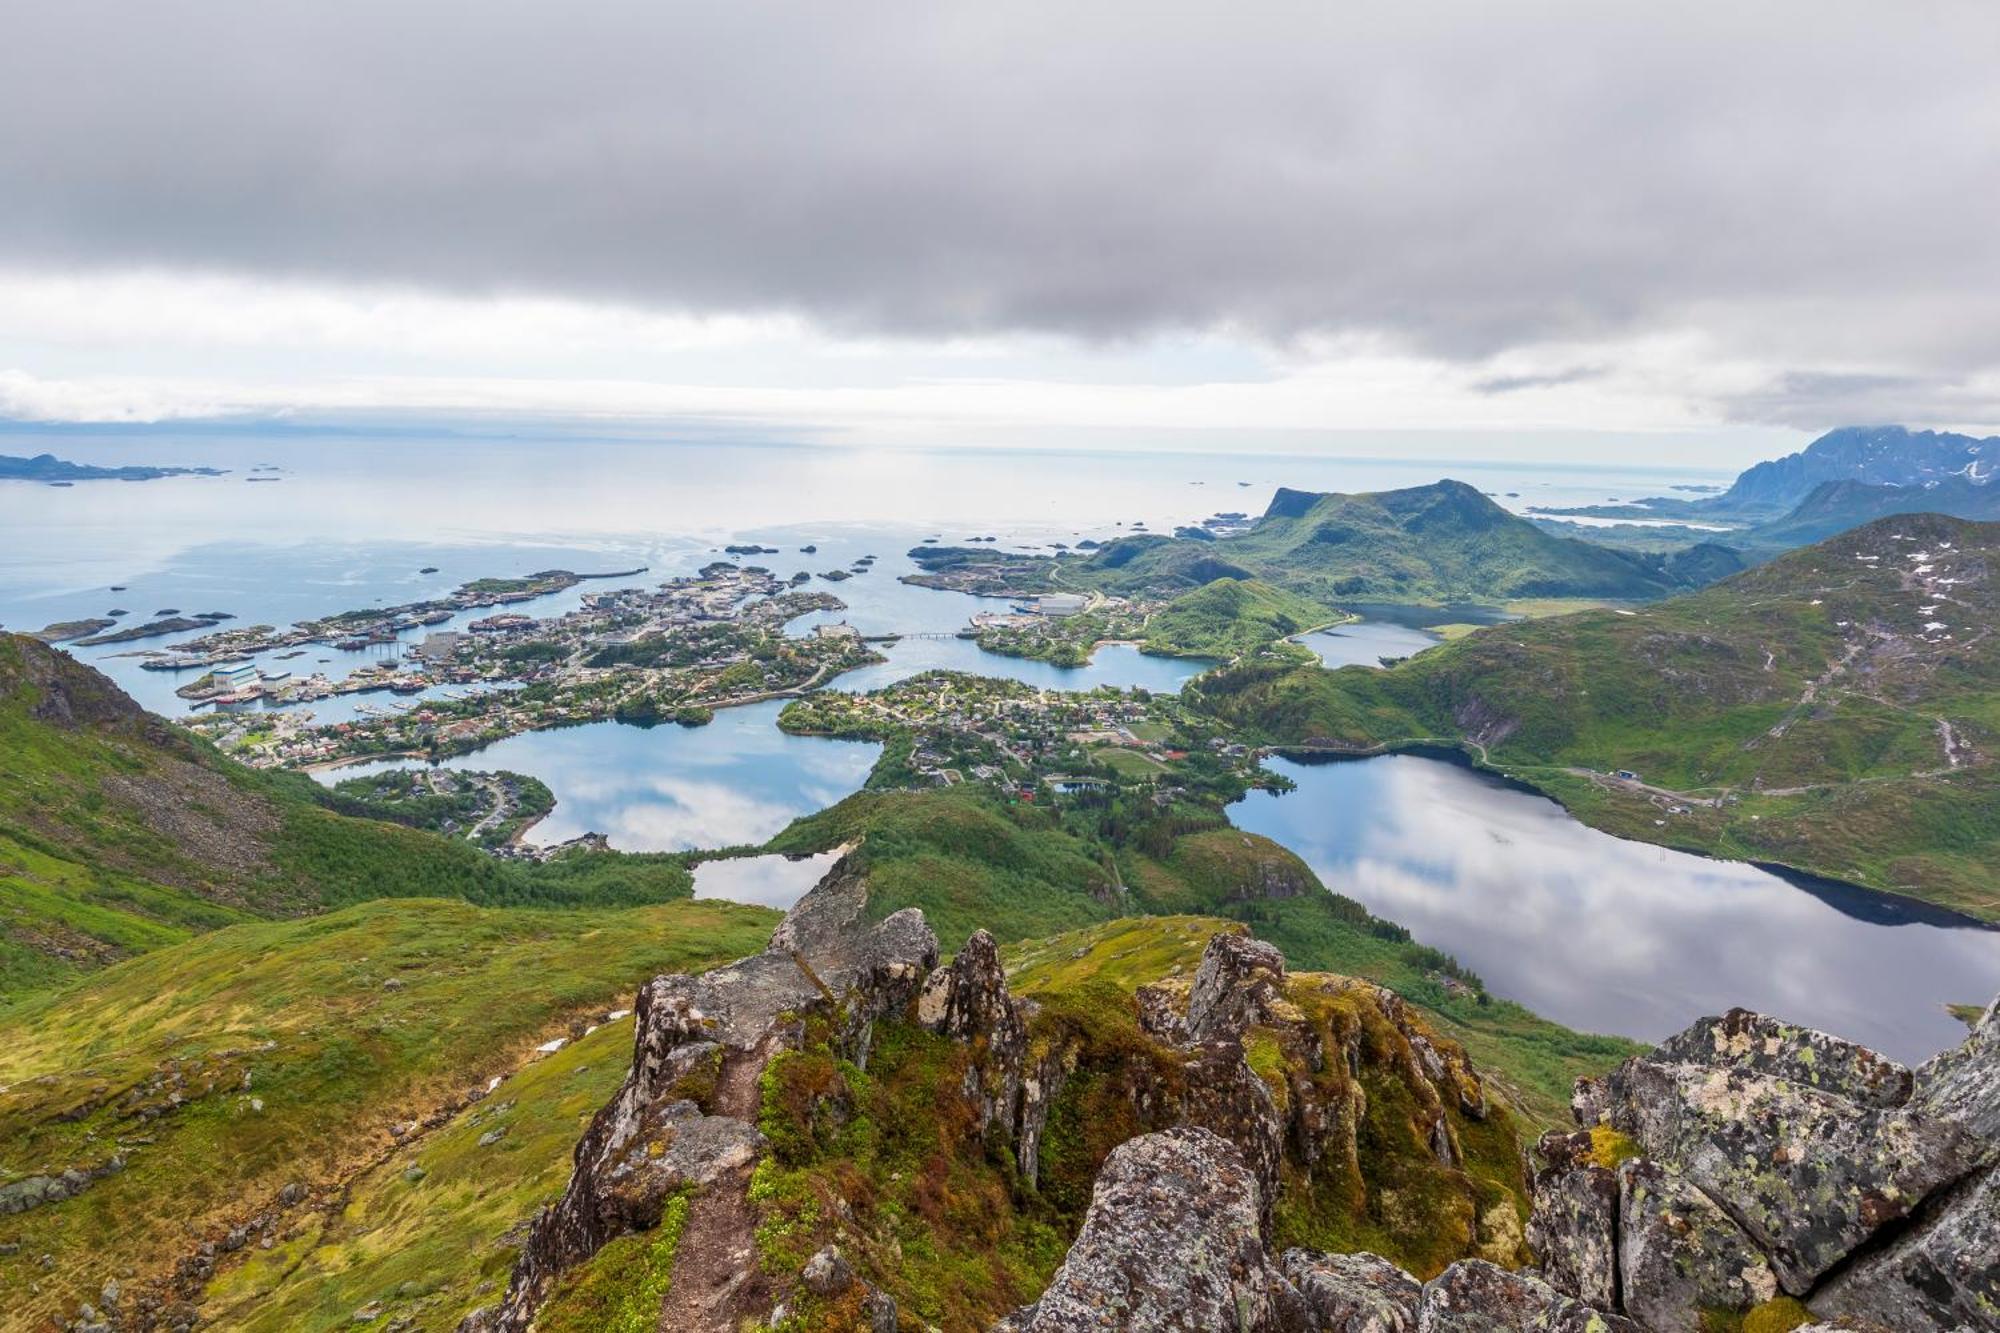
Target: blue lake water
[1613,936]
[669,788]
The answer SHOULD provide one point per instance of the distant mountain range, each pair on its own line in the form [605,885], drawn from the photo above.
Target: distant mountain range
[1953,468]
[47,467]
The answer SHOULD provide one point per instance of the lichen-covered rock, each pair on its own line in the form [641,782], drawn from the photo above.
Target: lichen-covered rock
[1237,984]
[1473,1296]
[1679,1255]
[1353,1293]
[1573,1228]
[1757,1044]
[1944,1274]
[1223,1095]
[968,1002]
[1808,1172]
[1963,1083]
[1170,1242]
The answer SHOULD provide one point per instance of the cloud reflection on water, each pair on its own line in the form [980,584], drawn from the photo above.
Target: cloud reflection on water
[1606,934]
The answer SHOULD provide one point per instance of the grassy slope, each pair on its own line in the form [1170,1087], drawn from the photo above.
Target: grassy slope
[340,1025]
[119,834]
[1728,695]
[1439,543]
[970,861]
[434,1247]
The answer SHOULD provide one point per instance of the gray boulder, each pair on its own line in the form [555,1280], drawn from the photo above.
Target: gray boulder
[1353,1293]
[1239,980]
[1473,1296]
[1757,1044]
[1679,1255]
[1944,1274]
[1170,1243]
[1807,1170]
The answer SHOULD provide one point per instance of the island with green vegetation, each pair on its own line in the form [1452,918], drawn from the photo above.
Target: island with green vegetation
[491,809]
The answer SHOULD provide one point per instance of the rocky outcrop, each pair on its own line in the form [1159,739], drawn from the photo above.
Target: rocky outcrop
[968,1002]
[685,1117]
[1273,1063]
[1764,1158]
[1171,1241]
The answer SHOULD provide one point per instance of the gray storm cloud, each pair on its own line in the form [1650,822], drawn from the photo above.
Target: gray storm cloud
[1806,181]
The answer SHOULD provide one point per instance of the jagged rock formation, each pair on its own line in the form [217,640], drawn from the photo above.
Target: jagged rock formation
[1762,1158]
[684,1119]
[1741,1160]
[1171,1242]
[968,1002]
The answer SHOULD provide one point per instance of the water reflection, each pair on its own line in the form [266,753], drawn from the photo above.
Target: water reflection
[769,881]
[660,789]
[1609,935]
[1367,642]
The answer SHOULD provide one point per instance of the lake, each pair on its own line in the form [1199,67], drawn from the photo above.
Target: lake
[1613,936]
[737,780]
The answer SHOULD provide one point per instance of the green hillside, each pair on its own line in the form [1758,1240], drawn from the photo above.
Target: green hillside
[1440,543]
[1835,710]
[120,833]
[1229,617]
[220,1070]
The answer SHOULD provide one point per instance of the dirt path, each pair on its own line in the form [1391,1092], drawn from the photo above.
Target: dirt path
[716,1282]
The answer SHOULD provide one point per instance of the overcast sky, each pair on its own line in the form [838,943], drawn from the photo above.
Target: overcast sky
[944,222]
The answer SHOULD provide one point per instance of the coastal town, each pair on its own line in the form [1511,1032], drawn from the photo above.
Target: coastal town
[944,728]
[668,654]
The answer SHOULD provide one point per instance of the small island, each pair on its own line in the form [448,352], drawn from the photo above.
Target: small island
[49,469]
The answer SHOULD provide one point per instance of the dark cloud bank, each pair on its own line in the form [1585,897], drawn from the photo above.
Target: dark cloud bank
[1808,184]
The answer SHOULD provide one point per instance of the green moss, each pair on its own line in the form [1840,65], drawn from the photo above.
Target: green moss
[1609,1147]
[620,1288]
[1780,1314]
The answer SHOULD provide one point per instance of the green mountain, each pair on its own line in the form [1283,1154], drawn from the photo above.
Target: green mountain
[1836,709]
[120,834]
[1440,543]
